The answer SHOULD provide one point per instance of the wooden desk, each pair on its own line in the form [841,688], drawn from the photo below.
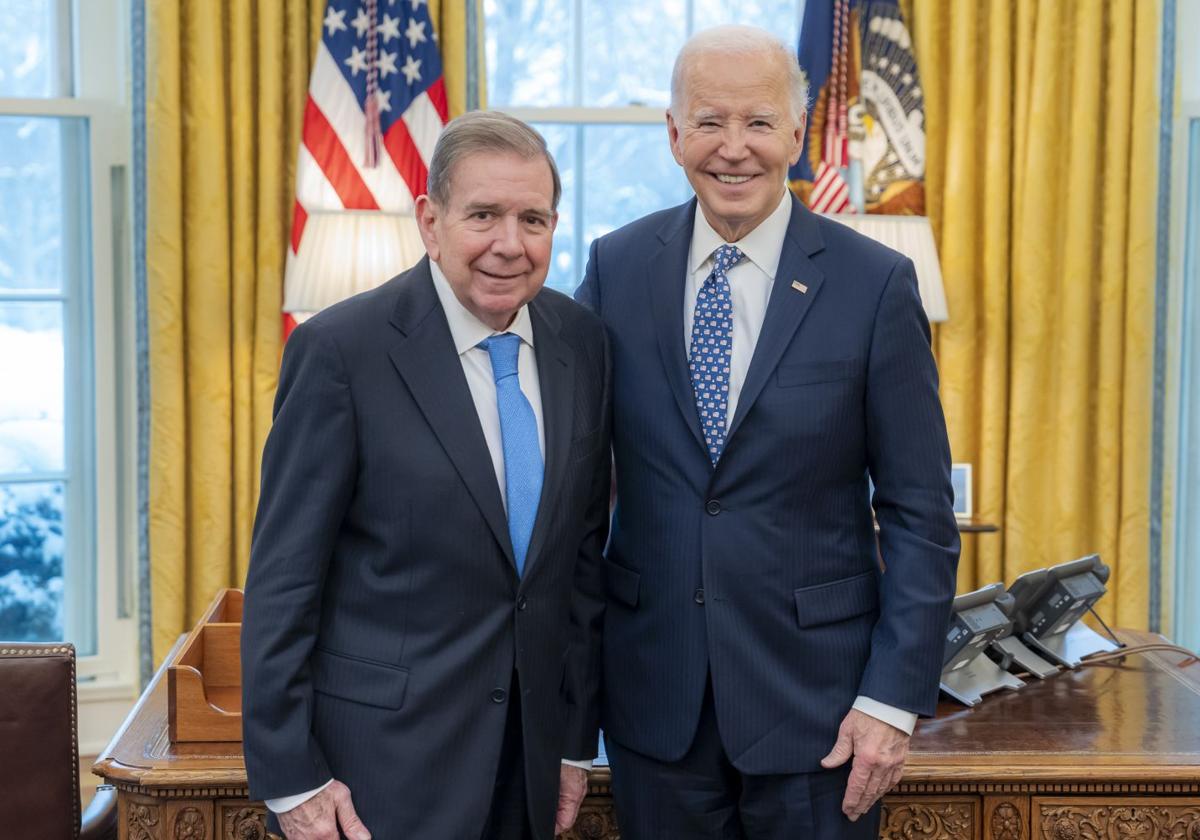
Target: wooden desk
[969,526]
[1109,752]
[976,526]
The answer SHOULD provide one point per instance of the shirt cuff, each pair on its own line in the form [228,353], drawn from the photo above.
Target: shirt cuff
[287,803]
[582,765]
[902,720]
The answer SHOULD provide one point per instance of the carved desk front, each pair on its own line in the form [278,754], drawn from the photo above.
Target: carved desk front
[1110,752]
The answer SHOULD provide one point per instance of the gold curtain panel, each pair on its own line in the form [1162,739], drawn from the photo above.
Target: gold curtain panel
[1043,121]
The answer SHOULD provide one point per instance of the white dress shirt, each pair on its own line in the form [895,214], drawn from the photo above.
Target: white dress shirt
[467,331]
[750,283]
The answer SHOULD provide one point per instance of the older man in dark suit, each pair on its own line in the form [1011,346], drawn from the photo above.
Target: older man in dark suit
[420,650]
[766,363]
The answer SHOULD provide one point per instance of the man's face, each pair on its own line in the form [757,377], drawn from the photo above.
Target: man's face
[735,137]
[493,239]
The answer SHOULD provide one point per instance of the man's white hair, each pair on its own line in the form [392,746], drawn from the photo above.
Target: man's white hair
[735,39]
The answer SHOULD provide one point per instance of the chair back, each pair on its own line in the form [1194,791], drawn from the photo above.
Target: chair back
[39,742]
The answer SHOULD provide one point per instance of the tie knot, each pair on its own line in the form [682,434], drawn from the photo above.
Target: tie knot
[503,350]
[725,258]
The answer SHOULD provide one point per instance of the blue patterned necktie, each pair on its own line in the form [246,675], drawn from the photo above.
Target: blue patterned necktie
[712,346]
[522,453]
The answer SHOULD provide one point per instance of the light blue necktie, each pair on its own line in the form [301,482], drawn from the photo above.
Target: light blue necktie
[712,346]
[522,453]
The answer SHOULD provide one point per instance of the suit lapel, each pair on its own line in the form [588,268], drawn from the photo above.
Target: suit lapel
[556,376]
[786,307]
[666,274]
[426,359]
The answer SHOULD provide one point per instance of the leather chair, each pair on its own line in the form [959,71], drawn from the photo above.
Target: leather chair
[39,749]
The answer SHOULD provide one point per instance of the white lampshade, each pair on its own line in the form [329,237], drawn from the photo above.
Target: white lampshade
[344,252]
[913,237]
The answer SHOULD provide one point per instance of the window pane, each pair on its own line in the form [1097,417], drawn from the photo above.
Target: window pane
[31,562]
[630,172]
[31,391]
[781,17]
[565,269]
[42,195]
[611,194]
[629,48]
[33,45]
[530,50]
[1187,592]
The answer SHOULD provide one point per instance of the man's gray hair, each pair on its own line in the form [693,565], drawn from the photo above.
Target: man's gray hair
[478,132]
[734,39]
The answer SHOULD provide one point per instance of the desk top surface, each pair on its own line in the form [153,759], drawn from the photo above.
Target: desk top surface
[1129,720]
[1138,717]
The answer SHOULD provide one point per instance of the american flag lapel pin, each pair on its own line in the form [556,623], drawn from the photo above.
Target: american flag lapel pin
[799,287]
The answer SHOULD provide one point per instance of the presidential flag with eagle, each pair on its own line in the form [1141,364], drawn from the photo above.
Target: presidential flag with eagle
[864,147]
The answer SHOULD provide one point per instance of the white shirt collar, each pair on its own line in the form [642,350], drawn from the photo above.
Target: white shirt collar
[762,246]
[465,329]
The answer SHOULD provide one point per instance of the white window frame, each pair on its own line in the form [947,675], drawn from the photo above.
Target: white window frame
[584,115]
[99,42]
[574,117]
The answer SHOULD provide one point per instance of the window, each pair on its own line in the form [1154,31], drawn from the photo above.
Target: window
[64,148]
[594,77]
[1187,594]
[1185,270]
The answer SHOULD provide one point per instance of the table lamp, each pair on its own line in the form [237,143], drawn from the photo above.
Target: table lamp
[344,252]
[913,237]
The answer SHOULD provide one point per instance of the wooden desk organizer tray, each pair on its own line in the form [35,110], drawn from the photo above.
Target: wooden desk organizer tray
[204,680]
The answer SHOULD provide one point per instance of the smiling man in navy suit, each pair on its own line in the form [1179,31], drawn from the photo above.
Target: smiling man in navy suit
[762,672]
[420,651]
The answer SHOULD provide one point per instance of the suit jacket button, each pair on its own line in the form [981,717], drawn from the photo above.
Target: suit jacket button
[713,507]
[698,596]
[499,695]
[521,602]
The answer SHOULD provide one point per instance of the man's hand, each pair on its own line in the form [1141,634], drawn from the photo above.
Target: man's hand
[319,817]
[879,752]
[572,786]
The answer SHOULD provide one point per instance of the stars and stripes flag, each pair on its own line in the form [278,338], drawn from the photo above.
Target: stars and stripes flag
[830,192]
[376,105]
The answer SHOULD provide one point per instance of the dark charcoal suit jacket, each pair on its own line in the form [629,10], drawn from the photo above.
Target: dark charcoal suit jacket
[763,571]
[383,612]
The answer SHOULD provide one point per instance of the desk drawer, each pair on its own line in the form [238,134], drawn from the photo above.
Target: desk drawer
[1118,816]
[933,817]
[238,819]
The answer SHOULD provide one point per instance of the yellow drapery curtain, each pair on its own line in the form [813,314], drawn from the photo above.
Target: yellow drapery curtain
[1041,183]
[225,91]
[450,20]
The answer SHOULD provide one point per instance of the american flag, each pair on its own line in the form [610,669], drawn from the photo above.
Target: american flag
[376,104]
[830,192]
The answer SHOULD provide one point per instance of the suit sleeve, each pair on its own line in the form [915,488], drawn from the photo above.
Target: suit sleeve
[588,293]
[308,473]
[584,665]
[909,459]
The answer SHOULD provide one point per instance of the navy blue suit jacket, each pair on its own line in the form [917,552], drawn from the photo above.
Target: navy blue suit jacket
[384,615]
[765,570]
